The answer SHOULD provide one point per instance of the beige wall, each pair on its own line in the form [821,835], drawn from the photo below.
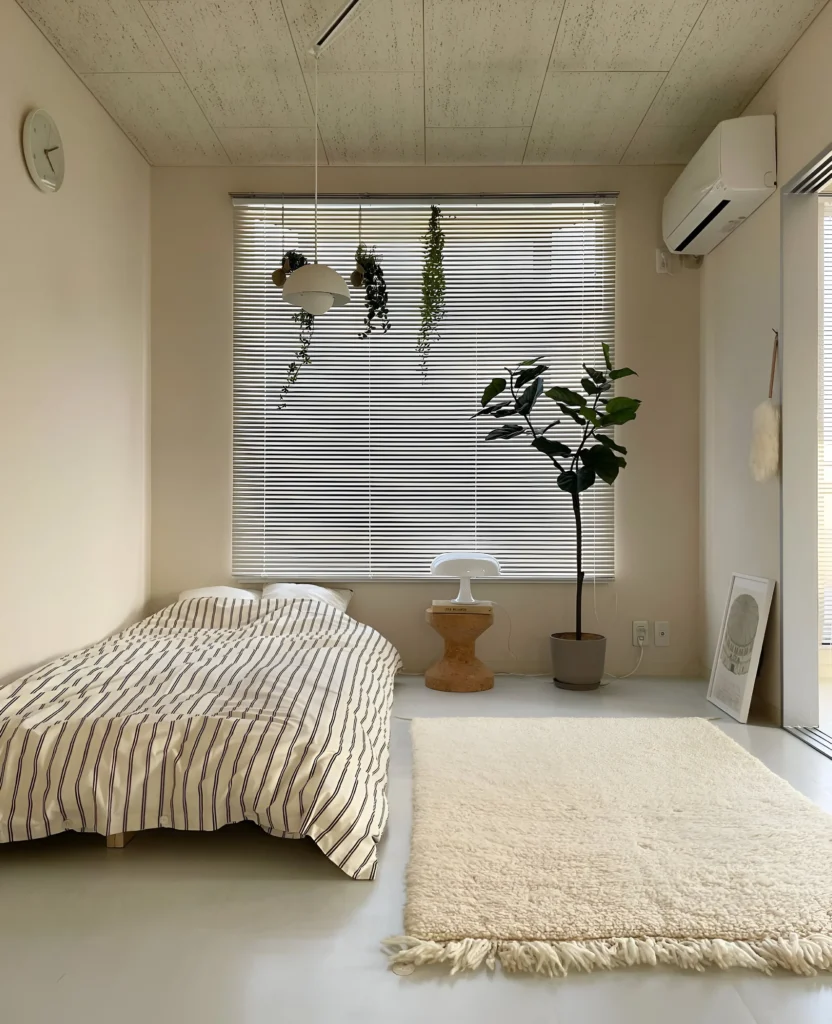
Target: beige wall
[657,497]
[74,319]
[740,306]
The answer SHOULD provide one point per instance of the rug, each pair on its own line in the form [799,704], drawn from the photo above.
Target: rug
[561,844]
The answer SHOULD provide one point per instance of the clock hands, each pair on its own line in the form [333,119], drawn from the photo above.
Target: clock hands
[46,153]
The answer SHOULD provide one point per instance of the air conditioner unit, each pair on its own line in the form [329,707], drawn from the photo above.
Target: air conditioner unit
[734,171]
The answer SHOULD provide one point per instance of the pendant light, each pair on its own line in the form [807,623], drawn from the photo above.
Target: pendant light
[314,286]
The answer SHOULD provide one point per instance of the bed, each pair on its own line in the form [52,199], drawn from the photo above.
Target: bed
[209,712]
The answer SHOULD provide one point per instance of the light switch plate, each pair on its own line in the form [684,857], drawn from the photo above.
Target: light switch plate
[661,634]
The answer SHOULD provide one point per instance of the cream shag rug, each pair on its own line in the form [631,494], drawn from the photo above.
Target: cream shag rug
[563,844]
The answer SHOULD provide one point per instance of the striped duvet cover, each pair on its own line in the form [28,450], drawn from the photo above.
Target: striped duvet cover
[211,711]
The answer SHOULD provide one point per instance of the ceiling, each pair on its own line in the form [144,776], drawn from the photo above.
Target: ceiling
[219,82]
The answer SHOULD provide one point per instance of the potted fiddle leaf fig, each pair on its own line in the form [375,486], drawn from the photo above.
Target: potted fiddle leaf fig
[577,656]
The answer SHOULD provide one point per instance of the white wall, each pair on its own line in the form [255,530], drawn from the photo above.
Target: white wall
[74,320]
[740,305]
[657,497]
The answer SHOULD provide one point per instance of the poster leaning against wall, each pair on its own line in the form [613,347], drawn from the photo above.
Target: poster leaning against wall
[740,644]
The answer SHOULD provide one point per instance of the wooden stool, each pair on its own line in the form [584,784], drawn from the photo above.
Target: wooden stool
[459,670]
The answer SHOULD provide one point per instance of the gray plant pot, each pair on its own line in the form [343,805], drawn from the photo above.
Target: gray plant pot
[578,664]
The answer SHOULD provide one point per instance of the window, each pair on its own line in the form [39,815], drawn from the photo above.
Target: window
[369,470]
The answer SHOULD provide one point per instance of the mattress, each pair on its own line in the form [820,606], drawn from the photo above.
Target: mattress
[209,712]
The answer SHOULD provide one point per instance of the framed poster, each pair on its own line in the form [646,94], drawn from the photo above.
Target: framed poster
[740,642]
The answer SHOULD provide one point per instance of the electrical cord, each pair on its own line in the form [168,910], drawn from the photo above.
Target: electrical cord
[632,672]
[609,677]
[508,616]
[641,644]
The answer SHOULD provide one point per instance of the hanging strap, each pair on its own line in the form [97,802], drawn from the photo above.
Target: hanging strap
[774,348]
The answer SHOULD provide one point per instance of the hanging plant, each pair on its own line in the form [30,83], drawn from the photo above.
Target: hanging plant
[432,308]
[292,260]
[368,274]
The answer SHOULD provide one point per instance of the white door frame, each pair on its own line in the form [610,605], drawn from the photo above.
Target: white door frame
[801,301]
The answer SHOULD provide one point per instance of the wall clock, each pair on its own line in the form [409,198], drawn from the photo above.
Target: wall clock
[43,150]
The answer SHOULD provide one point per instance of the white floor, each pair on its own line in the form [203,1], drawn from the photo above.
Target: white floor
[825,702]
[238,928]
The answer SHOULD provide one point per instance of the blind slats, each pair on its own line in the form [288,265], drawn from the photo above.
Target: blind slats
[369,470]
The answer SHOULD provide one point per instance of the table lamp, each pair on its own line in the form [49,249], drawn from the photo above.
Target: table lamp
[464,566]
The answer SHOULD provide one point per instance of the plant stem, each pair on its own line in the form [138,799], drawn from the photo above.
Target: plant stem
[589,431]
[576,509]
[527,418]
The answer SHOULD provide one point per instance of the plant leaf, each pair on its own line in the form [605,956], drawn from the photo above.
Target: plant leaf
[591,415]
[596,375]
[566,395]
[530,362]
[589,386]
[491,410]
[525,403]
[494,388]
[625,371]
[585,479]
[550,447]
[510,411]
[609,443]
[524,376]
[571,413]
[606,349]
[620,410]
[603,461]
[506,430]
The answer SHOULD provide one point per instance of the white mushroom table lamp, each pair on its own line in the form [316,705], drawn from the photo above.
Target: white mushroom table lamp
[459,622]
[464,565]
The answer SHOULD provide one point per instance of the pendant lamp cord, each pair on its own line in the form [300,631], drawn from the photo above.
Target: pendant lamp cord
[316,158]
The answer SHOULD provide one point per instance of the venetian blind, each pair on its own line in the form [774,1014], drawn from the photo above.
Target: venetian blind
[370,469]
[825,435]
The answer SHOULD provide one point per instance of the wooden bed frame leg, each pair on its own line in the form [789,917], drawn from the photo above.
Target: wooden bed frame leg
[119,840]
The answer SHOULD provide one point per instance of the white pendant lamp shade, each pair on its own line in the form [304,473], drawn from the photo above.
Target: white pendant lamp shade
[316,288]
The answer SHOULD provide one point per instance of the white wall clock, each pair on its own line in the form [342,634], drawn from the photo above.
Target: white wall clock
[43,150]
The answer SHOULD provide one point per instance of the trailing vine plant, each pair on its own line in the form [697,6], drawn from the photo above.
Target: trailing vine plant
[432,308]
[292,260]
[368,274]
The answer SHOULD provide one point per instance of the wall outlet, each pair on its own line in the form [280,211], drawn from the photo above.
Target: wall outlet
[661,633]
[664,264]
[641,636]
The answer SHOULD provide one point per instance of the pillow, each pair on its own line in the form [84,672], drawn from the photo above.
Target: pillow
[229,592]
[337,598]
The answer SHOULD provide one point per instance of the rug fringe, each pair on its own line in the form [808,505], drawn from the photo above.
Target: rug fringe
[802,954]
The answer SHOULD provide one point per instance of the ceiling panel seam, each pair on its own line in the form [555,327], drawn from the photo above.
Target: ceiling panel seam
[543,81]
[424,91]
[661,84]
[184,80]
[133,142]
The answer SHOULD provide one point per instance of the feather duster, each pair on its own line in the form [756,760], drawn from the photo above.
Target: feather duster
[765,441]
[765,431]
